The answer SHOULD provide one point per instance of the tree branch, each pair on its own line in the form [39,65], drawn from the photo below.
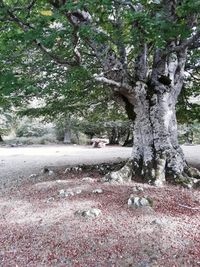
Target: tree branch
[26,27]
[112,83]
[28,7]
[194,39]
[54,57]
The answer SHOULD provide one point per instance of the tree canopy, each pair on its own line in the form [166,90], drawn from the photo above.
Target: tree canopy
[49,50]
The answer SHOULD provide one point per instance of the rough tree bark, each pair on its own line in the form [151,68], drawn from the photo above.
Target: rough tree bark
[156,152]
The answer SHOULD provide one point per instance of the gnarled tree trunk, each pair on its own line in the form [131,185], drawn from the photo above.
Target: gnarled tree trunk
[156,152]
[157,155]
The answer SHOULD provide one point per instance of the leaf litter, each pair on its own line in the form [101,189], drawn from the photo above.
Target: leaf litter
[37,232]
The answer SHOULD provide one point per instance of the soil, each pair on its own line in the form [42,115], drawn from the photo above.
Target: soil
[17,163]
[40,228]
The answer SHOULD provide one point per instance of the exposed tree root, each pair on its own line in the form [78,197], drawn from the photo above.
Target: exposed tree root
[190,178]
[120,176]
[193,172]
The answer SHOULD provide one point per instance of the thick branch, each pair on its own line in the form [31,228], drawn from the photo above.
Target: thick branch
[141,67]
[190,42]
[122,89]
[106,81]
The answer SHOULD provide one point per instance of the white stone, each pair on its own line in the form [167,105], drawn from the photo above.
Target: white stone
[33,175]
[137,202]
[51,173]
[76,169]
[50,199]
[87,179]
[90,213]
[138,189]
[45,170]
[129,202]
[62,193]
[78,191]
[156,222]
[144,202]
[97,191]
[66,170]
[69,193]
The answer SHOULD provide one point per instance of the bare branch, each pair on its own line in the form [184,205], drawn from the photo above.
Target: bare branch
[106,81]
[112,83]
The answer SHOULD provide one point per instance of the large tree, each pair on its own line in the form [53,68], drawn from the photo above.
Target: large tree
[137,48]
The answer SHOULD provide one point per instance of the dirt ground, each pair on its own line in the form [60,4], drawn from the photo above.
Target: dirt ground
[40,227]
[17,163]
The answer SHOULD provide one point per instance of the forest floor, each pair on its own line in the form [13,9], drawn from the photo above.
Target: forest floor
[17,163]
[39,226]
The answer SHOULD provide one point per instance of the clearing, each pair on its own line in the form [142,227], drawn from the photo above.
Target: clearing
[39,225]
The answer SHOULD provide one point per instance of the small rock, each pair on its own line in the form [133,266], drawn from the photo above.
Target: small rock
[62,193]
[138,189]
[79,191]
[97,191]
[144,202]
[90,213]
[50,199]
[134,201]
[87,179]
[69,193]
[33,175]
[156,222]
[67,170]
[45,170]
[59,181]
[138,202]
[76,169]
[51,173]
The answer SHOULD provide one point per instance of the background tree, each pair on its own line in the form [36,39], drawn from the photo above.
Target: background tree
[138,49]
